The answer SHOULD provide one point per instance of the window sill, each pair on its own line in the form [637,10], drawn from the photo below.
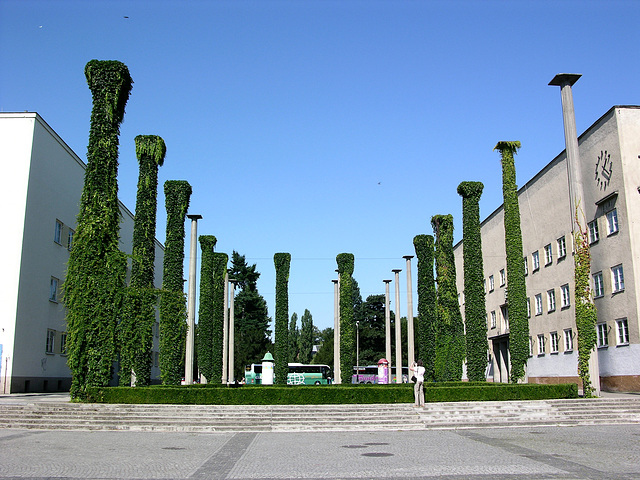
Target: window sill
[617,292]
[53,301]
[565,307]
[568,352]
[551,311]
[49,353]
[612,233]
[554,353]
[603,347]
[623,345]
[541,355]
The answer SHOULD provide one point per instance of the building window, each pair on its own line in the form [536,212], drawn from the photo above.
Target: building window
[562,248]
[528,307]
[554,342]
[540,344]
[623,331]
[551,300]
[63,343]
[536,261]
[617,275]
[566,298]
[51,341]
[530,347]
[612,222]
[526,266]
[484,284]
[70,239]
[594,235]
[598,286]
[493,319]
[568,340]
[539,304]
[503,278]
[548,255]
[603,335]
[53,289]
[57,233]
[491,283]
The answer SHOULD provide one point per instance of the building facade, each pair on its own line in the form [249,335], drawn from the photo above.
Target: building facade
[609,154]
[41,185]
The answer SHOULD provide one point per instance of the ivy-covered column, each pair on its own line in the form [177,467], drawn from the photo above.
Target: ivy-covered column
[282,263]
[95,281]
[173,307]
[220,261]
[205,310]
[474,305]
[136,327]
[347,334]
[516,287]
[427,304]
[450,341]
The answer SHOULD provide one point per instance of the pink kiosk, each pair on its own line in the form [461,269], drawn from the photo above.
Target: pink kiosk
[383,370]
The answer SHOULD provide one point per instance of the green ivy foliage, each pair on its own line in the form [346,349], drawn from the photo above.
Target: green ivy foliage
[135,331]
[204,341]
[346,263]
[474,307]
[282,262]
[173,302]
[586,314]
[220,261]
[427,304]
[95,280]
[450,341]
[516,287]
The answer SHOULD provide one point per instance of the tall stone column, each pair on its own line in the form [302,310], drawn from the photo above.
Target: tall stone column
[231,375]
[336,331]
[387,322]
[410,333]
[191,301]
[225,330]
[398,329]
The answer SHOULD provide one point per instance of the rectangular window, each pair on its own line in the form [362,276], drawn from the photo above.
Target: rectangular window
[63,343]
[493,319]
[598,285]
[612,222]
[551,300]
[53,289]
[548,254]
[536,261]
[594,235]
[623,331]
[484,283]
[603,335]
[562,248]
[51,341]
[526,266]
[503,278]
[540,344]
[539,304]
[554,342]
[528,307]
[57,233]
[491,283]
[70,239]
[617,277]
[530,347]
[568,340]
[566,297]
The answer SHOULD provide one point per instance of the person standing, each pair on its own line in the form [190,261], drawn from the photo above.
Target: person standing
[417,370]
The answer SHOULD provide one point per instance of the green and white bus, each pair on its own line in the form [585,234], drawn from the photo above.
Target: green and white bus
[299,374]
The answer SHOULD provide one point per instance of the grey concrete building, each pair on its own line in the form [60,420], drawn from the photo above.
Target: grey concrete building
[40,188]
[610,167]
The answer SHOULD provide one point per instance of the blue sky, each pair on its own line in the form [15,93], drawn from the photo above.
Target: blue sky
[322,127]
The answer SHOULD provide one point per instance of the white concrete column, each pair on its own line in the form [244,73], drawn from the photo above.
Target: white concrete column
[398,329]
[336,331]
[225,330]
[387,322]
[191,301]
[231,375]
[411,354]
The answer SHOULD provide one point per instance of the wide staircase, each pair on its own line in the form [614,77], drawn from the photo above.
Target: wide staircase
[289,418]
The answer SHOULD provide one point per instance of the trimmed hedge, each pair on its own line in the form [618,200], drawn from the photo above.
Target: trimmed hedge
[327,394]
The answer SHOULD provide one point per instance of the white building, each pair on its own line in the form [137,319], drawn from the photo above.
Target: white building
[40,188]
[610,166]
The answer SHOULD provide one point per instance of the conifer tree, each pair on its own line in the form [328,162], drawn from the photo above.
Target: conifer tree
[306,337]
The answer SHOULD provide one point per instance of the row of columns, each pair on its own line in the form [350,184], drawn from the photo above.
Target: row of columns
[228,339]
[387,314]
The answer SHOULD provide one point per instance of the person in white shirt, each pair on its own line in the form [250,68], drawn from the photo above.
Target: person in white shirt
[417,370]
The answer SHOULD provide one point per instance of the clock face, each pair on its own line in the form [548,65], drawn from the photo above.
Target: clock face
[603,170]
